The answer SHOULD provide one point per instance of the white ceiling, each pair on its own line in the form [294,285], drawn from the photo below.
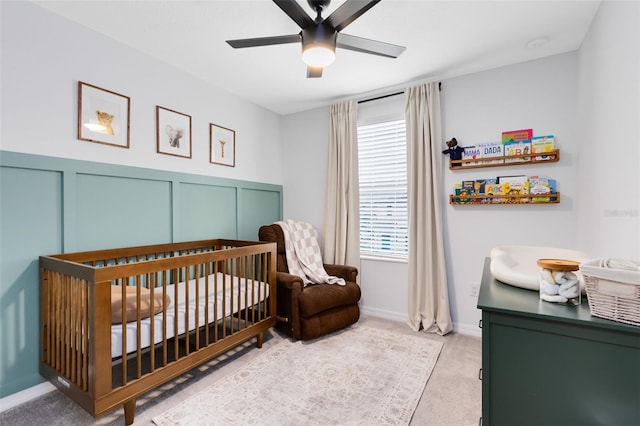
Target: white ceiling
[443,39]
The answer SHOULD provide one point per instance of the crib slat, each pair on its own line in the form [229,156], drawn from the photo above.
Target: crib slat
[164,319]
[73,329]
[215,306]
[224,298]
[197,310]
[151,280]
[67,327]
[175,316]
[45,279]
[78,333]
[58,311]
[123,325]
[137,283]
[206,272]
[85,337]
[187,320]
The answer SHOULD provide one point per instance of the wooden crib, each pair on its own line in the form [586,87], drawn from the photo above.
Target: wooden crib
[117,323]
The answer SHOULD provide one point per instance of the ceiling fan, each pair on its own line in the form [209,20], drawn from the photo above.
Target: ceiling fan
[321,36]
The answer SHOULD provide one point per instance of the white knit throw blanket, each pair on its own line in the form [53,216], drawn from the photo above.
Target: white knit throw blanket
[303,253]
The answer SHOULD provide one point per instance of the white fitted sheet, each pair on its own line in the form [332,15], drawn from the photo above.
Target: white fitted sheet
[250,291]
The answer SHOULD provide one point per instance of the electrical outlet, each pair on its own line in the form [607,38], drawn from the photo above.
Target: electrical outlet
[475,288]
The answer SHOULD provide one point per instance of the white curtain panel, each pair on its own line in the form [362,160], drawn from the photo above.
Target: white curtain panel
[341,227]
[428,295]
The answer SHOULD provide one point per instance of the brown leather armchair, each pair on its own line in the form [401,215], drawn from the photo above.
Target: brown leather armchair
[316,309]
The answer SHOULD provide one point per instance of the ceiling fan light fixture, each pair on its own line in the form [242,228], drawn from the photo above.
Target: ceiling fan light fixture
[318,46]
[318,55]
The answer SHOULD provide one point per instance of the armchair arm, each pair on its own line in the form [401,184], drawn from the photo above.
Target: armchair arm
[289,289]
[349,273]
[289,281]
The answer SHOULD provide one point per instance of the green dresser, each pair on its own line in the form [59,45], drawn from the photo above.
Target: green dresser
[548,364]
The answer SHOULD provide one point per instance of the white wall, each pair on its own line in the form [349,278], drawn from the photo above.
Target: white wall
[609,113]
[305,137]
[44,56]
[541,95]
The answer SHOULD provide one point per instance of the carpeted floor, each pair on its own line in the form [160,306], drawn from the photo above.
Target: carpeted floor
[452,396]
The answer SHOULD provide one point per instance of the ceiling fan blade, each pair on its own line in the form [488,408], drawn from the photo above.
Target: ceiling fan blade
[349,12]
[314,72]
[295,12]
[265,41]
[366,45]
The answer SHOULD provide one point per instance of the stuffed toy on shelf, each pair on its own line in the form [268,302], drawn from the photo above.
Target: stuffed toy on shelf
[454,151]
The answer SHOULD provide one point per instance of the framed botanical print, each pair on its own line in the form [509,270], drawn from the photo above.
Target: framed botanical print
[103,115]
[222,143]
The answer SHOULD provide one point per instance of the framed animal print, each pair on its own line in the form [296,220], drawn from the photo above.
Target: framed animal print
[173,132]
[222,145]
[103,115]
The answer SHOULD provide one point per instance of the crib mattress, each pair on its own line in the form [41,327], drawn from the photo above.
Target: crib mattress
[233,295]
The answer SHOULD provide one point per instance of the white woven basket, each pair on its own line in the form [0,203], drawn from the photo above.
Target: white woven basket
[613,293]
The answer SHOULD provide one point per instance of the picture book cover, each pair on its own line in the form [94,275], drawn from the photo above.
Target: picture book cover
[541,185]
[460,193]
[491,149]
[515,185]
[469,186]
[542,144]
[471,155]
[495,189]
[481,183]
[517,148]
[517,135]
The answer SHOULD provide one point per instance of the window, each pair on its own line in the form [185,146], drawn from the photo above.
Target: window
[382,157]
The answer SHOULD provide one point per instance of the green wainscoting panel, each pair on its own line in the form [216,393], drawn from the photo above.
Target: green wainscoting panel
[30,225]
[113,211]
[52,205]
[259,207]
[207,211]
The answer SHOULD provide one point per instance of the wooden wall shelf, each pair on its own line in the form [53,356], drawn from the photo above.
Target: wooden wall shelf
[519,199]
[554,157]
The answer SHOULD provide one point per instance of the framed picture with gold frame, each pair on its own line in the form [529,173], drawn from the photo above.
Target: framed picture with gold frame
[103,115]
[173,132]
[222,144]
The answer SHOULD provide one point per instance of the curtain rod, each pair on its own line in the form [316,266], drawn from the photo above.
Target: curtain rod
[389,95]
[381,97]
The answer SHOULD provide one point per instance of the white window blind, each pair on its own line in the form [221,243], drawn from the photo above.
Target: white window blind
[382,157]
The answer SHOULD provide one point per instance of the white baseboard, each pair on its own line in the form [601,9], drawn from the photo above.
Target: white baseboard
[381,313]
[467,329]
[26,395]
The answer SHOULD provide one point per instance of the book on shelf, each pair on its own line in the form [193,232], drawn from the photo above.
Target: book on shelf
[542,144]
[495,189]
[469,186]
[540,185]
[517,135]
[519,147]
[491,149]
[515,185]
[471,156]
[481,187]
[461,194]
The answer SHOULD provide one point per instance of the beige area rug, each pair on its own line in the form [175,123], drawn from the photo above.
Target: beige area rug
[359,376]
